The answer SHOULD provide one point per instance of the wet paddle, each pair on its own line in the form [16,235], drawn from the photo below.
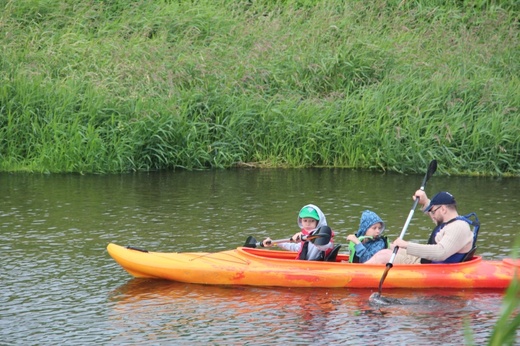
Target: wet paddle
[431,169]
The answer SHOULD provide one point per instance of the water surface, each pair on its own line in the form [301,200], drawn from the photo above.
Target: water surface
[59,286]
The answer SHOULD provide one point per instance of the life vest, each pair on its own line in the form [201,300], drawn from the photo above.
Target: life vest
[353,258]
[472,220]
[302,255]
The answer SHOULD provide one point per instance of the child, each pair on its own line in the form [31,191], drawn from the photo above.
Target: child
[368,240]
[310,219]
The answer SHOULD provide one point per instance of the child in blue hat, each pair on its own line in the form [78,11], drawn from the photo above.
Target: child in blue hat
[368,239]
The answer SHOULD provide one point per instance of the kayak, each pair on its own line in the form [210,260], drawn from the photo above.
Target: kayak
[262,267]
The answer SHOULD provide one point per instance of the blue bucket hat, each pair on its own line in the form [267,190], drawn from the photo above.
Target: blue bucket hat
[441,198]
[368,218]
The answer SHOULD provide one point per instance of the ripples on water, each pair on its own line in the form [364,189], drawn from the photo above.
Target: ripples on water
[59,286]
[321,316]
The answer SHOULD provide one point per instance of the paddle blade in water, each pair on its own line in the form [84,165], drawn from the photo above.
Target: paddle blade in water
[377,299]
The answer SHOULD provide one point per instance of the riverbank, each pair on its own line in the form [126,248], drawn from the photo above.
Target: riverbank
[107,87]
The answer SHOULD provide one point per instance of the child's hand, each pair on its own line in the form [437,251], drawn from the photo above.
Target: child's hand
[297,237]
[353,238]
[267,242]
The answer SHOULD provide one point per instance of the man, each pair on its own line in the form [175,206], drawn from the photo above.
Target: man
[449,242]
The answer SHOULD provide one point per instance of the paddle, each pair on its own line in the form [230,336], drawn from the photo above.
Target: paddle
[431,169]
[325,236]
[252,243]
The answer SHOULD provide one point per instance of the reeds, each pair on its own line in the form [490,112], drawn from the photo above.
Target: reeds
[506,327]
[108,86]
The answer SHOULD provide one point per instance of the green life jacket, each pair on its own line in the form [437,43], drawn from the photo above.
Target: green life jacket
[353,258]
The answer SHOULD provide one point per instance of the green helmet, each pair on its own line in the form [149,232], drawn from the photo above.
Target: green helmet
[309,212]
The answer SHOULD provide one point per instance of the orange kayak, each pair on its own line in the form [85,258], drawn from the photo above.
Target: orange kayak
[261,267]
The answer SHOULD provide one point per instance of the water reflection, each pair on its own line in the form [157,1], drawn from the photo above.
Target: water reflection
[325,316]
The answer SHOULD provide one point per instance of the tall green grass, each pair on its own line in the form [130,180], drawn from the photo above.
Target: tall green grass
[508,323]
[112,86]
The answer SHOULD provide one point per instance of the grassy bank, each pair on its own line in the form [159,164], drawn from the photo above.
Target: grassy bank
[114,86]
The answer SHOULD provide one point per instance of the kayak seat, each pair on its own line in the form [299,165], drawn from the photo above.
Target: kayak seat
[473,220]
[470,254]
[331,257]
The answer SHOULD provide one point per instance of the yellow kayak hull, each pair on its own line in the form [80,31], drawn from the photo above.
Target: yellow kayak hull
[261,267]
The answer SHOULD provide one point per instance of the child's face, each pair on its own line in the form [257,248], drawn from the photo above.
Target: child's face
[374,230]
[309,223]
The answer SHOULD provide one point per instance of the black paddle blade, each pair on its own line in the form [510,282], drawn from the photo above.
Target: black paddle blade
[322,234]
[250,242]
[431,169]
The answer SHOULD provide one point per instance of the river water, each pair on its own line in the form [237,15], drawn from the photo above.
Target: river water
[60,287]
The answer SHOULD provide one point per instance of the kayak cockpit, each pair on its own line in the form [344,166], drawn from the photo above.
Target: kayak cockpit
[281,255]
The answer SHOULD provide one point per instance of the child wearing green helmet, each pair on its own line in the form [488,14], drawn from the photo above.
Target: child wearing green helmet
[311,220]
